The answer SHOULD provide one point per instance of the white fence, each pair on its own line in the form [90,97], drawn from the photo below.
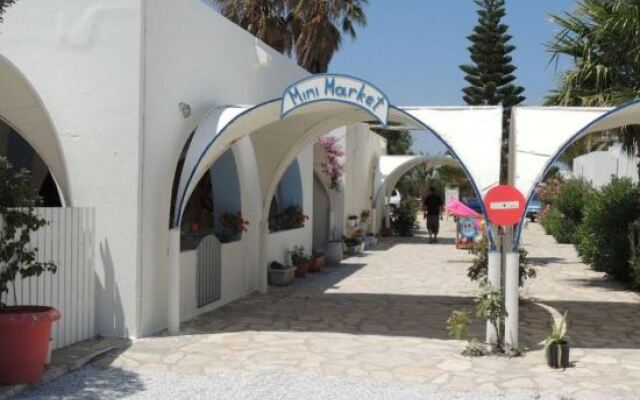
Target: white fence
[68,241]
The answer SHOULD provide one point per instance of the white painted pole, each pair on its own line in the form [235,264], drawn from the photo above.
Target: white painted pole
[174,281]
[493,276]
[263,284]
[511,300]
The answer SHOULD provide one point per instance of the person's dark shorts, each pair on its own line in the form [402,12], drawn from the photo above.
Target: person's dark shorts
[433,224]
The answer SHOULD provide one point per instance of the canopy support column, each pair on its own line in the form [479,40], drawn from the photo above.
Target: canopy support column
[493,275]
[263,268]
[512,279]
[174,281]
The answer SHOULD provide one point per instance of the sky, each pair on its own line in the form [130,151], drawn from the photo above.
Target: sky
[411,49]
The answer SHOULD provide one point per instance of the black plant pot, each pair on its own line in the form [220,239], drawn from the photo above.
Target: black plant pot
[558,355]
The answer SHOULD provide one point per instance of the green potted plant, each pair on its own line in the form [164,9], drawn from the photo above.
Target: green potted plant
[301,261]
[352,244]
[25,330]
[556,348]
[352,220]
[280,274]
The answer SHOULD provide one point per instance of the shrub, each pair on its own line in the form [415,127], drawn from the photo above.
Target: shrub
[634,262]
[458,324]
[563,214]
[18,259]
[604,234]
[405,217]
[478,270]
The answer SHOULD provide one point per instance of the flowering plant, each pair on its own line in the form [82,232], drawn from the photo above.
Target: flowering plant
[294,217]
[332,168]
[232,226]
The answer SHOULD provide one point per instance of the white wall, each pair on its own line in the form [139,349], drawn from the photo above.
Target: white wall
[196,56]
[83,58]
[363,150]
[233,279]
[278,242]
[598,167]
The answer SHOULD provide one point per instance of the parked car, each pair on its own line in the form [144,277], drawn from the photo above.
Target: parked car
[533,209]
[394,200]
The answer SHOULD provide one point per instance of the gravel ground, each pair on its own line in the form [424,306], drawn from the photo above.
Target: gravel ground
[113,383]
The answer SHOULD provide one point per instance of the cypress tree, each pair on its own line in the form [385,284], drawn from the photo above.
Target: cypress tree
[490,76]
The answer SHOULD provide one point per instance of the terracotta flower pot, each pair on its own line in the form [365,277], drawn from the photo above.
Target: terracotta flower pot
[303,268]
[317,262]
[24,342]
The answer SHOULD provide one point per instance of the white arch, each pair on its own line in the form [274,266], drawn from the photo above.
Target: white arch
[471,134]
[542,134]
[22,109]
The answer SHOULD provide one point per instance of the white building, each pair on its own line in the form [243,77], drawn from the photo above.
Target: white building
[598,167]
[138,110]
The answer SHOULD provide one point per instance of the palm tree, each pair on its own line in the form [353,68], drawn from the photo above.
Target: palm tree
[265,19]
[317,27]
[313,28]
[602,37]
[4,4]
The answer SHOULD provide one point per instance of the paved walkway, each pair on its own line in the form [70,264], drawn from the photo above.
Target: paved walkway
[381,318]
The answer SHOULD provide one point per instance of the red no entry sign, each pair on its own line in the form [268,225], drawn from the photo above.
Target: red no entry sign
[505,205]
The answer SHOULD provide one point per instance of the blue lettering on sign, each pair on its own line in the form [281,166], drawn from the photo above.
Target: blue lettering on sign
[338,88]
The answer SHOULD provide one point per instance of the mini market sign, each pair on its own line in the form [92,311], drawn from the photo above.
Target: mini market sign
[341,88]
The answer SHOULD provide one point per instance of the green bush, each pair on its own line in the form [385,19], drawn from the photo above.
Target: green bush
[634,262]
[564,216]
[479,269]
[604,234]
[405,217]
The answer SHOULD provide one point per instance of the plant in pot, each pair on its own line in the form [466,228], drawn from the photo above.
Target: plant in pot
[352,243]
[24,330]
[232,227]
[301,261]
[352,220]
[280,274]
[317,262]
[556,348]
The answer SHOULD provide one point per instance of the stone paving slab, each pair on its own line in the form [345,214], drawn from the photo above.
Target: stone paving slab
[381,317]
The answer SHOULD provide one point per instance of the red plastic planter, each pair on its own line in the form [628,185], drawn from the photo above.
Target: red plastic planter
[24,342]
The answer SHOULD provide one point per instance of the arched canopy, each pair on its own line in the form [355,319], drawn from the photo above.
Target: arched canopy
[392,168]
[22,109]
[472,135]
[542,134]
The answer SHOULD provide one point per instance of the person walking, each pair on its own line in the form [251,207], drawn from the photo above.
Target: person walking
[432,206]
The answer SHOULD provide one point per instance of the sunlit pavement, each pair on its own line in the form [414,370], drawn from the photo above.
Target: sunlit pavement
[381,317]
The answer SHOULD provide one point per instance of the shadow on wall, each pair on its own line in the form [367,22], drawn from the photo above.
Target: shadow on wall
[109,311]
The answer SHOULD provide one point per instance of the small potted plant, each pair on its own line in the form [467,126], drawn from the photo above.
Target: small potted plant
[232,227]
[280,274]
[293,218]
[353,244]
[364,219]
[352,220]
[25,330]
[557,345]
[301,261]
[317,262]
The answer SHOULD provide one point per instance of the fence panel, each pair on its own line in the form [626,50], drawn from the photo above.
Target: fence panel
[208,272]
[68,241]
